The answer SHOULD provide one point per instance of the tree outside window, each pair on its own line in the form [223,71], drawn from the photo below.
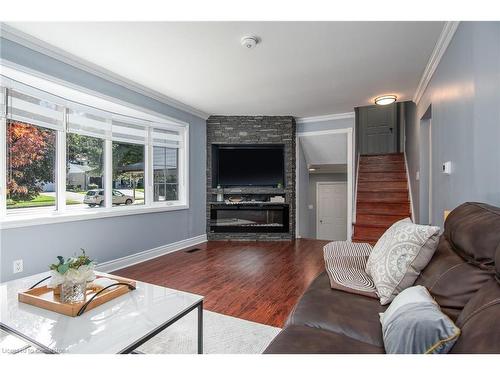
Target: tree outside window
[30,165]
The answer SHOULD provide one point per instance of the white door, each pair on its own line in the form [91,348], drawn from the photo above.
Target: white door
[331,211]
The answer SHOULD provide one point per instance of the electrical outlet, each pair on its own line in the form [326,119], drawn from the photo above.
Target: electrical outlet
[18,265]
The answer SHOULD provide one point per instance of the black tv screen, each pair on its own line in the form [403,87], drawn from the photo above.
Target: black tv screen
[250,165]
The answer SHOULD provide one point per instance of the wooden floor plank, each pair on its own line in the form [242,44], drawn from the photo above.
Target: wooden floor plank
[256,281]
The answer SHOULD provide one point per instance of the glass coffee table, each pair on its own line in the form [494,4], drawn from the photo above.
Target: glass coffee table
[118,326]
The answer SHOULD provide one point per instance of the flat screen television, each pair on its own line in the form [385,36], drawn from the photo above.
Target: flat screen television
[249,165]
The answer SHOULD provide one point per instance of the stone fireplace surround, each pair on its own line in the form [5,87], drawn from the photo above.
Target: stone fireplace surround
[253,130]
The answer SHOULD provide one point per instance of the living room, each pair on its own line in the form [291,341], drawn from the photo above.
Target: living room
[270,186]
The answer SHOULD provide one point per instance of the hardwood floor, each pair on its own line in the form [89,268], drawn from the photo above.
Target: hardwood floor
[256,281]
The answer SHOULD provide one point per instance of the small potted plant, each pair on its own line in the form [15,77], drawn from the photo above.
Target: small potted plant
[70,276]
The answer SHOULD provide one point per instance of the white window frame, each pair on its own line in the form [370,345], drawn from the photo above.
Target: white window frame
[59,213]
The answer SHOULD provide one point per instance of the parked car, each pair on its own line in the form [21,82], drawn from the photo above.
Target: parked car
[95,197]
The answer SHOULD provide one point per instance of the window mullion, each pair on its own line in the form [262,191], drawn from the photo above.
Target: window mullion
[61,168]
[108,173]
[148,170]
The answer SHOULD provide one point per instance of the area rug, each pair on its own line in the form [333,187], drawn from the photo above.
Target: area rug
[222,334]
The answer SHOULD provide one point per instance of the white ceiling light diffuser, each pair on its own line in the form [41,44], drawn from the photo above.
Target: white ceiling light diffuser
[385,99]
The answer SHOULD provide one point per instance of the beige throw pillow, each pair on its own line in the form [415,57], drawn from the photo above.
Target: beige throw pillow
[399,256]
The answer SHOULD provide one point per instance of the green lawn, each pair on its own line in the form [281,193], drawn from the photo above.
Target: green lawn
[39,201]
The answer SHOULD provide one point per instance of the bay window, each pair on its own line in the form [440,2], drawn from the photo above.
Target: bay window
[61,158]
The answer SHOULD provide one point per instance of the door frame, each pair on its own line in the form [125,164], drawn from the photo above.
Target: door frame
[318,184]
[430,172]
[350,171]
[426,169]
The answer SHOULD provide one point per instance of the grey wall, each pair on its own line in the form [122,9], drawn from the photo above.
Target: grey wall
[465,95]
[307,229]
[311,197]
[109,238]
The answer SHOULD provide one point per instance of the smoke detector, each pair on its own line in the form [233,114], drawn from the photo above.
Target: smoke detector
[249,42]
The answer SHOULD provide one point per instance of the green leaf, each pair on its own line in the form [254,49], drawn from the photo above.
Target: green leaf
[63,268]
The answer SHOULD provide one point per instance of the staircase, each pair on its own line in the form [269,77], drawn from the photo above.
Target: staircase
[382,195]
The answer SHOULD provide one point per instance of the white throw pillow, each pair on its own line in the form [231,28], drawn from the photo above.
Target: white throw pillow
[415,324]
[399,256]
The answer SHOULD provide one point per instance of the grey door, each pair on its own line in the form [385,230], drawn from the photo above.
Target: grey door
[378,129]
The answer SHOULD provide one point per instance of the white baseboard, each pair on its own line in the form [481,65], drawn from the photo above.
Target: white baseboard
[142,256]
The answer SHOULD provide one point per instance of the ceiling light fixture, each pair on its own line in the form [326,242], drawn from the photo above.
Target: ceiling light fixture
[385,99]
[249,42]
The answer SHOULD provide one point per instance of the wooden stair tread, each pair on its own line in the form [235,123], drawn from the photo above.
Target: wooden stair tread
[404,209]
[369,163]
[369,232]
[378,219]
[370,227]
[401,185]
[382,168]
[382,176]
[382,190]
[376,223]
[394,156]
[383,197]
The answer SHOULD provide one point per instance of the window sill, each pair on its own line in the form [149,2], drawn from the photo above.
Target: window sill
[20,220]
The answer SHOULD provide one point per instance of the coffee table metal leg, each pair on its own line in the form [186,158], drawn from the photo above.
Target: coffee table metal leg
[200,328]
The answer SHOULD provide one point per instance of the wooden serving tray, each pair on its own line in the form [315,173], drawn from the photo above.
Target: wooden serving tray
[45,298]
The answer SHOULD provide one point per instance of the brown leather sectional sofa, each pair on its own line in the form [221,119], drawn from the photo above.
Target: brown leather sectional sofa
[463,276]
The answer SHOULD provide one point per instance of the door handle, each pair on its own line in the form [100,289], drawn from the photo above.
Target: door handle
[390,129]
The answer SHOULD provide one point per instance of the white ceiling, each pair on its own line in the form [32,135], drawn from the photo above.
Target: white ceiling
[324,149]
[300,68]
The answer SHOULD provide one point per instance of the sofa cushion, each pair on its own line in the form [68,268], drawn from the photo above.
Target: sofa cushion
[399,256]
[341,312]
[473,230]
[306,340]
[451,280]
[479,322]
[464,259]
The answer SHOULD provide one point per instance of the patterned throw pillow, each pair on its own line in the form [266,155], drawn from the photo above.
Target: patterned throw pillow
[399,256]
